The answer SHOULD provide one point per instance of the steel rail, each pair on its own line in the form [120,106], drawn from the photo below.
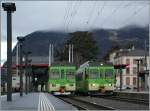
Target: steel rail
[137,101]
[84,105]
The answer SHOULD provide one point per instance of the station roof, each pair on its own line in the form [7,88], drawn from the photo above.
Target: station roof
[132,53]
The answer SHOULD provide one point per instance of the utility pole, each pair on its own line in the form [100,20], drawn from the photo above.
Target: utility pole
[145,56]
[26,71]
[20,40]
[9,7]
[69,53]
[17,62]
[30,74]
[72,52]
[138,70]
[50,54]
[120,79]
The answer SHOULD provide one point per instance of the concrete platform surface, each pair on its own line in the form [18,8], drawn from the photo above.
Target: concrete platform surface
[34,102]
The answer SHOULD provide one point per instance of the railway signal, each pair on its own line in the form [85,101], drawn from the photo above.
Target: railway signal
[9,7]
[120,67]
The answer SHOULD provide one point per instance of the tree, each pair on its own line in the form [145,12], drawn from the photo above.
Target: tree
[85,47]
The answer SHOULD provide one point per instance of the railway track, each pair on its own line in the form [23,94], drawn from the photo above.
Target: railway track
[84,105]
[137,101]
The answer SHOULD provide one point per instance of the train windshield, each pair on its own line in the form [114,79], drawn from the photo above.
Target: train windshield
[54,75]
[70,75]
[93,74]
[108,73]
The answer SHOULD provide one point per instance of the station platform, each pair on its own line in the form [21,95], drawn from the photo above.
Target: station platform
[143,95]
[34,102]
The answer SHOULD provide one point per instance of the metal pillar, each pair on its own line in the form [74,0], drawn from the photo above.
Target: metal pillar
[50,54]
[138,70]
[72,52]
[9,7]
[21,71]
[69,53]
[26,72]
[120,79]
[9,56]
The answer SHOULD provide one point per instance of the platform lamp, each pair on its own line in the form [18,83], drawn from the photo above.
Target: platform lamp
[20,41]
[120,67]
[9,7]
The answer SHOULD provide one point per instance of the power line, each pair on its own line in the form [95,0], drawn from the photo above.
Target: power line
[135,13]
[98,13]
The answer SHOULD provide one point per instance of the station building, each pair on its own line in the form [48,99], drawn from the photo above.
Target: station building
[129,56]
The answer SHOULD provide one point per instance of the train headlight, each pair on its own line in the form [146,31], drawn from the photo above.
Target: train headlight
[109,84]
[93,85]
[53,85]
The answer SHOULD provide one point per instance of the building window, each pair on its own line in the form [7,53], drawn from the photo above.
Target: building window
[141,68]
[134,61]
[134,80]
[127,80]
[134,70]
[128,70]
[127,61]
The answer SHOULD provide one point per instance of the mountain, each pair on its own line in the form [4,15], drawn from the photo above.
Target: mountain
[38,42]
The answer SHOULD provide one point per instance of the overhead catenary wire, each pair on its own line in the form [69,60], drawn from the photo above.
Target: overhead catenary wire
[135,13]
[71,15]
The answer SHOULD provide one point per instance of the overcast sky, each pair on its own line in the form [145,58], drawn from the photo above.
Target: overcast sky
[71,16]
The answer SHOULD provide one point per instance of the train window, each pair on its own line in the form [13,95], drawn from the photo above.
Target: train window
[102,74]
[14,78]
[108,73]
[62,73]
[54,75]
[70,75]
[93,74]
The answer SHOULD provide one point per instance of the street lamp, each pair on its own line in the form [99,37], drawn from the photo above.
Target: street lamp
[9,7]
[20,41]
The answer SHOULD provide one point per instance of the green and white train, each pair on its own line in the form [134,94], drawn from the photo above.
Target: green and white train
[90,78]
[62,79]
[95,78]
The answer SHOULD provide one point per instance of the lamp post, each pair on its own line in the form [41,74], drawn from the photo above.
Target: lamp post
[20,41]
[9,7]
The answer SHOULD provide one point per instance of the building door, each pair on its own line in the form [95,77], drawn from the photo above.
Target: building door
[127,81]
[134,81]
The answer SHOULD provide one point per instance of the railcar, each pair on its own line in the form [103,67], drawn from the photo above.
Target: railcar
[95,78]
[62,79]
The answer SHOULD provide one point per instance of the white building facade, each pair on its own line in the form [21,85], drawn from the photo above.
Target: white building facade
[129,75]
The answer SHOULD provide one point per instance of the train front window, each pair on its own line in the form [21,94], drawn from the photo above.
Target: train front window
[54,75]
[70,75]
[93,74]
[108,73]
